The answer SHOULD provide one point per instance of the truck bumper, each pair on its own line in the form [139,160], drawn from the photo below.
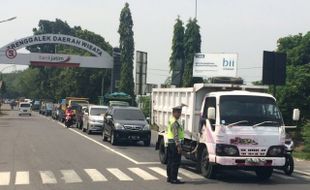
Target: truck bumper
[250,161]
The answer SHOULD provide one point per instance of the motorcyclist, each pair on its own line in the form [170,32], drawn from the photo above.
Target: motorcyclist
[69,111]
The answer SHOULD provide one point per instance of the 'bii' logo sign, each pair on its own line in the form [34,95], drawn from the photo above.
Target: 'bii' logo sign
[228,64]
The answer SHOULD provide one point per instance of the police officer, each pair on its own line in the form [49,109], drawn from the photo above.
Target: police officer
[175,134]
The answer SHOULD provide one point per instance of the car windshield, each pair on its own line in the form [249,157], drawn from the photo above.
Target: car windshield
[97,111]
[79,102]
[24,105]
[128,114]
[255,110]
[49,106]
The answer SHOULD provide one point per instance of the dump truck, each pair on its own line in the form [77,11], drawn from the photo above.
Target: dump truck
[226,126]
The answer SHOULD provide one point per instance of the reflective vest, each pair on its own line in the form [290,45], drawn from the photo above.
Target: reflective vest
[170,133]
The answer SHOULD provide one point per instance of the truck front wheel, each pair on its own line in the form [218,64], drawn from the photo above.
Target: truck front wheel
[207,169]
[162,152]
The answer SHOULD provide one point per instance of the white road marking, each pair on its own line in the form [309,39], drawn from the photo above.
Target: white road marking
[70,176]
[48,177]
[95,175]
[22,178]
[143,174]
[5,178]
[190,174]
[119,174]
[161,171]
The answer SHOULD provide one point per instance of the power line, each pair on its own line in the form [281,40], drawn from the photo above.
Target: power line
[158,69]
[250,68]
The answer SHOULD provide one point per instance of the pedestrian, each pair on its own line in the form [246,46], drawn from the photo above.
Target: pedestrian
[175,134]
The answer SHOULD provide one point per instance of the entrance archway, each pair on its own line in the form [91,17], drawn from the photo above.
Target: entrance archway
[9,54]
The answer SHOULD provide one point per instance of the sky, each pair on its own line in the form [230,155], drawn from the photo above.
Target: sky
[245,27]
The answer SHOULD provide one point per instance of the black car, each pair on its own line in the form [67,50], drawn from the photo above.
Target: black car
[126,124]
[36,105]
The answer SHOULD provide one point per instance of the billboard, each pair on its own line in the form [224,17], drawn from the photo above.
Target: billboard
[141,72]
[208,65]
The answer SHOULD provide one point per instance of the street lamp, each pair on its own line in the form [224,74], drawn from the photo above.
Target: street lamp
[9,19]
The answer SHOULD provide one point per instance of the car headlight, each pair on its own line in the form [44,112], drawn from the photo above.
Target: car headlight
[226,150]
[276,151]
[146,127]
[119,126]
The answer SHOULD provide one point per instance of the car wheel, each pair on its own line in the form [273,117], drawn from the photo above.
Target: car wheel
[208,170]
[83,129]
[112,139]
[289,164]
[147,142]
[105,138]
[88,130]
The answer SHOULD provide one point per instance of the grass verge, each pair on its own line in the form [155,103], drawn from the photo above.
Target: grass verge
[302,155]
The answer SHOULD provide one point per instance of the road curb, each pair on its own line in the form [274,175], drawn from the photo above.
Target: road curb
[302,172]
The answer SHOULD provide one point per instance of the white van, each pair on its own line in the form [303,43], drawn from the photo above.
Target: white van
[24,108]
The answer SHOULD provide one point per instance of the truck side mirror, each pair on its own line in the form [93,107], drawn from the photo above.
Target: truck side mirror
[211,113]
[148,119]
[296,114]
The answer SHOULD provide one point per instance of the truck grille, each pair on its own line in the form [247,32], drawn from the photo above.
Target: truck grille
[253,152]
[133,127]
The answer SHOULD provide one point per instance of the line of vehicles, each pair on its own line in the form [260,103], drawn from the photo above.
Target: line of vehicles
[117,121]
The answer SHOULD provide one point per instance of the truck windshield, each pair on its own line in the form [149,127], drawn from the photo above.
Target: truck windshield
[254,109]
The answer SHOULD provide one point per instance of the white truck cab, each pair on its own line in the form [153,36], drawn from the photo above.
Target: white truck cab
[226,126]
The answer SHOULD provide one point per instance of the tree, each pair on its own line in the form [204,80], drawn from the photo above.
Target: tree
[296,92]
[177,44]
[127,51]
[192,43]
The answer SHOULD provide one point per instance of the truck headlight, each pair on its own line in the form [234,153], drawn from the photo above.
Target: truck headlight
[226,150]
[146,127]
[276,151]
[119,126]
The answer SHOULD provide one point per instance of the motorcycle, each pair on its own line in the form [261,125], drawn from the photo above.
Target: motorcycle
[69,119]
[288,168]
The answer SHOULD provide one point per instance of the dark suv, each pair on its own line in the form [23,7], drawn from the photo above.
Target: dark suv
[126,124]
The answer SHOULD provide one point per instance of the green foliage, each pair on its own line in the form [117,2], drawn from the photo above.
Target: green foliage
[296,92]
[177,44]
[127,51]
[145,102]
[56,83]
[192,43]
[306,136]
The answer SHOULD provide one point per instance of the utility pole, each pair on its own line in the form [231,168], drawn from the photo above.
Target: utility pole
[196,9]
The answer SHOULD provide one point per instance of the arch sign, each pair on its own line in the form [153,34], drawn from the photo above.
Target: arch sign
[100,58]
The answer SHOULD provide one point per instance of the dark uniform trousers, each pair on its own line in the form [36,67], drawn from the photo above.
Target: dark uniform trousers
[173,161]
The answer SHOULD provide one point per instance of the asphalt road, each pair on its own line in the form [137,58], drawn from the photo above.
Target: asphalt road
[39,153]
